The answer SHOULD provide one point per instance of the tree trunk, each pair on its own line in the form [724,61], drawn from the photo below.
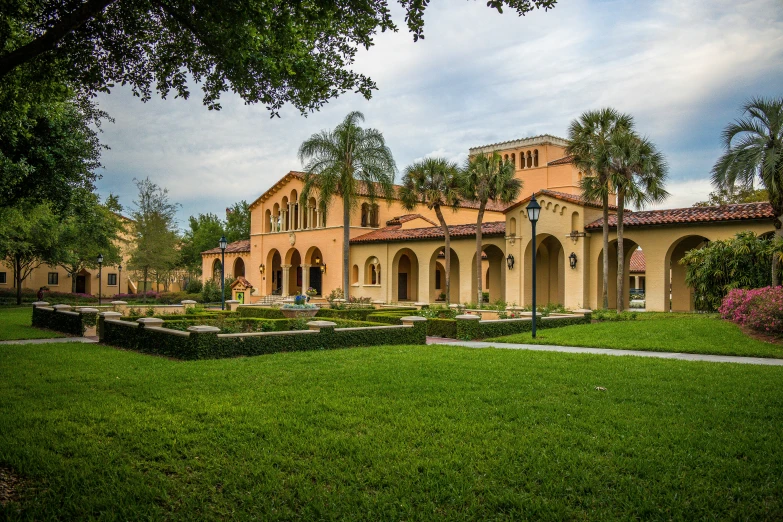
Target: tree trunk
[18,279]
[73,282]
[620,251]
[144,290]
[479,221]
[605,293]
[446,252]
[775,262]
[346,247]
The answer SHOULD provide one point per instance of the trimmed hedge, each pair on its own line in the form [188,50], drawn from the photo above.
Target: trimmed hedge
[211,346]
[388,317]
[71,323]
[468,330]
[442,328]
[256,324]
[358,314]
[259,312]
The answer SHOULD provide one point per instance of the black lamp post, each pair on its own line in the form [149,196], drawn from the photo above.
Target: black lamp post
[223,244]
[100,279]
[533,211]
[119,279]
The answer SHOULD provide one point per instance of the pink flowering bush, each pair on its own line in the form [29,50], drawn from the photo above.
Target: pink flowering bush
[759,309]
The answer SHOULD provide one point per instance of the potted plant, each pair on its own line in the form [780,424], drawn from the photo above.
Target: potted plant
[299,308]
[312,292]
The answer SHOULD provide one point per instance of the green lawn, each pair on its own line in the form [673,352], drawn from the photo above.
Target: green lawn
[388,433]
[687,333]
[15,324]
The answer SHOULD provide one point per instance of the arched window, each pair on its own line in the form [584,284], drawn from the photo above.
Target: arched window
[512,227]
[268,221]
[355,275]
[372,271]
[514,159]
[505,158]
[535,158]
[529,159]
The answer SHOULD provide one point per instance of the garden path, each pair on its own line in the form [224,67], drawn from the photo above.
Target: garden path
[606,351]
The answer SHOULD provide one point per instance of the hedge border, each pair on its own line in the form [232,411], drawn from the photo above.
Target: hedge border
[469,329]
[65,321]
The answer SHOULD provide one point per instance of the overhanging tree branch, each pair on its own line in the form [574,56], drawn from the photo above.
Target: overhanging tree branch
[48,40]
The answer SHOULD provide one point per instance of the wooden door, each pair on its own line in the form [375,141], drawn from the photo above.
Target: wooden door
[402,287]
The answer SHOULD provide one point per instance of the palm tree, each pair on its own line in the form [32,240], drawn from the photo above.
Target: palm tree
[754,152]
[342,162]
[638,171]
[487,177]
[433,182]
[589,137]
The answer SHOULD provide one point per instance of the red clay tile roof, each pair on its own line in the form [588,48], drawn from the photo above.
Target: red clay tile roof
[637,261]
[243,245]
[241,280]
[676,216]
[396,233]
[562,196]
[492,207]
[565,160]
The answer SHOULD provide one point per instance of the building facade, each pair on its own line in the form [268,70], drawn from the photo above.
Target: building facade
[397,255]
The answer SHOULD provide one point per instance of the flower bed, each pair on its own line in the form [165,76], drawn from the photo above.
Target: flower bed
[759,309]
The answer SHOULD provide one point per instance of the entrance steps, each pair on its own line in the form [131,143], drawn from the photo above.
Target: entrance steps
[269,300]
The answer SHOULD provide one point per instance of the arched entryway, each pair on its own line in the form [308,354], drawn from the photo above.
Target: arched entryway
[681,296]
[216,269]
[493,274]
[437,267]
[550,271]
[629,247]
[314,272]
[239,268]
[293,262]
[274,273]
[405,276]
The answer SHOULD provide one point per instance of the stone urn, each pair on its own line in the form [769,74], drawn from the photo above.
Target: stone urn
[293,313]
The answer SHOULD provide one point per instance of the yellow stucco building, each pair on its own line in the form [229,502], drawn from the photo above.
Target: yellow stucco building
[397,255]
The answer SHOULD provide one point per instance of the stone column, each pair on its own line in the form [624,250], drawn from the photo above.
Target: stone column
[284,291]
[318,218]
[305,278]
[300,213]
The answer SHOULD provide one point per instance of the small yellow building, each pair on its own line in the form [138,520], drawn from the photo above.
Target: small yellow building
[397,255]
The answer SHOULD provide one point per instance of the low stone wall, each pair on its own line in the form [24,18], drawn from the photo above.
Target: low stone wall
[62,318]
[205,342]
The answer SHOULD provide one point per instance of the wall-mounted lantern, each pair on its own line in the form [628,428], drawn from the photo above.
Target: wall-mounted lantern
[572,260]
[262,268]
[510,261]
[323,268]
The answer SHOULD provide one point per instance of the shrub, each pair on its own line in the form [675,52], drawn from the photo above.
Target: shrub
[178,297]
[612,315]
[760,309]
[472,329]
[438,312]
[442,328]
[258,311]
[210,292]
[194,286]
[745,261]
[71,323]
[358,314]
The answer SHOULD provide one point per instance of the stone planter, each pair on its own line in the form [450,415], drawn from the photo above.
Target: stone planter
[292,313]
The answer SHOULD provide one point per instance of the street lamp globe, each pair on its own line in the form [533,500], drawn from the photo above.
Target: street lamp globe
[533,209]
[223,243]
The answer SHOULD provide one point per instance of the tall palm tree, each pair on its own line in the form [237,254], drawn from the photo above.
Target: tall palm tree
[487,177]
[754,153]
[345,162]
[433,182]
[639,171]
[589,137]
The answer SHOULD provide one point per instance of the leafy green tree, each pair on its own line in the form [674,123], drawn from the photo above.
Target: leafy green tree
[203,234]
[28,238]
[589,147]
[92,229]
[237,225]
[267,52]
[754,154]
[344,162]
[639,171]
[433,182]
[733,195]
[154,231]
[487,177]
[740,262]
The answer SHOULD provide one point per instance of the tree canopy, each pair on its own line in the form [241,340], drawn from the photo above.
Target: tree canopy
[267,51]
[733,195]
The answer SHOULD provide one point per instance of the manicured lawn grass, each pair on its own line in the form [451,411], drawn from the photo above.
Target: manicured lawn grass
[686,333]
[388,433]
[15,324]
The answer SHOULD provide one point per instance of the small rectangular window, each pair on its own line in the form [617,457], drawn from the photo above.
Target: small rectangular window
[437,279]
[112,279]
[3,280]
[54,278]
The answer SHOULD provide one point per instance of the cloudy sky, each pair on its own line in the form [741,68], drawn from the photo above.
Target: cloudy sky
[682,69]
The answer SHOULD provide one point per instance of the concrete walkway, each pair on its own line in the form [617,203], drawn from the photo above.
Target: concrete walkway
[55,340]
[606,351]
